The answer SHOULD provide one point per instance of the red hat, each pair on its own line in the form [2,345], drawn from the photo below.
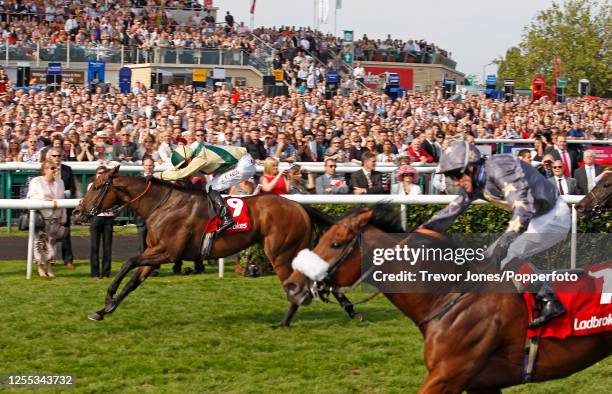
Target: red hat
[407,170]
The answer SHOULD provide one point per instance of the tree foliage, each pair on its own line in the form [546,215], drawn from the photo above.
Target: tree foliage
[579,32]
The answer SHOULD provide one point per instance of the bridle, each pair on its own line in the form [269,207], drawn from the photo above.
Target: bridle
[321,289]
[97,209]
[599,204]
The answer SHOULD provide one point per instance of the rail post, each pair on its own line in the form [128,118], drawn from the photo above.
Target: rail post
[31,234]
[574,236]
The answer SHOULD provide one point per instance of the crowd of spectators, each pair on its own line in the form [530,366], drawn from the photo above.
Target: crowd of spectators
[301,127]
[146,25]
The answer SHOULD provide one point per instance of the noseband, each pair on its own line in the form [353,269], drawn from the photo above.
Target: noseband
[321,289]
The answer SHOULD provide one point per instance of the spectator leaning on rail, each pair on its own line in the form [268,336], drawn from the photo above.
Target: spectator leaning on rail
[564,185]
[367,180]
[331,182]
[66,175]
[535,205]
[407,182]
[273,180]
[48,186]
[588,175]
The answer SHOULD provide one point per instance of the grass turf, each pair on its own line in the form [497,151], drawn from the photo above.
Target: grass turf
[205,334]
[75,231]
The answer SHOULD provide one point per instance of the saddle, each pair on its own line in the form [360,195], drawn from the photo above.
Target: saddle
[240,213]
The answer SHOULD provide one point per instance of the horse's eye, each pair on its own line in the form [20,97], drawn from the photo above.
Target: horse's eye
[335,245]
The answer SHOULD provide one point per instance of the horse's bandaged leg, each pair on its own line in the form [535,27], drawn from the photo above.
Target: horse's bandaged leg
[310,264]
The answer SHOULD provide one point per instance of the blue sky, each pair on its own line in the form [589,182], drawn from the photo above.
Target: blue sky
[475,31]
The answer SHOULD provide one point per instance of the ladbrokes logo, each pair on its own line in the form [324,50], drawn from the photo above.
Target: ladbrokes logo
[593,322]
[239,226]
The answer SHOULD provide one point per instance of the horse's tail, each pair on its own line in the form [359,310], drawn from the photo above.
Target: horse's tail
[320,221]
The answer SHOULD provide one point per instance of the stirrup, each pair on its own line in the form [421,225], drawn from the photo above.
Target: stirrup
[550,310]
[225,225]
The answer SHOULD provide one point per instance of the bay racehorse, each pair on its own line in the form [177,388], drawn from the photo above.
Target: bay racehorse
[598,199]
[473,341]
[175,218]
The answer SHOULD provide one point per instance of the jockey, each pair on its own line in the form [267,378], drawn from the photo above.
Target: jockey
[229,164]
[540,217]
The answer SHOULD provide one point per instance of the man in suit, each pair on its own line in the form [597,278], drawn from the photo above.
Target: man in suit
[564,185]
[588,176]
[124,150]
[330,182]
[255,147]
[569,158]
[367,180]
[55,156]
[431,146]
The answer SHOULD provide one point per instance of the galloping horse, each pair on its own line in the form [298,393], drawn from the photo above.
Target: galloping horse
[597,199]
[473,341]
[175,219]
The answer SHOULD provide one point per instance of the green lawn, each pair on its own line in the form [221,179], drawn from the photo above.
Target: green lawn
[205,334]
[75,231]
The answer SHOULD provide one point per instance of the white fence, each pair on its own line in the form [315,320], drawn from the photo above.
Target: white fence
[34,205]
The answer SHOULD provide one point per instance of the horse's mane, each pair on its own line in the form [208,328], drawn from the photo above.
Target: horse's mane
[168,184]
[384,218]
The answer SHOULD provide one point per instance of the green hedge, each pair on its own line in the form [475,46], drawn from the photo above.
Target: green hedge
[476,219]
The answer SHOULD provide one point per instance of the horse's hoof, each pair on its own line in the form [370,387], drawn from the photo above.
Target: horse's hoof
[96,316]
[358,317]
[280,325]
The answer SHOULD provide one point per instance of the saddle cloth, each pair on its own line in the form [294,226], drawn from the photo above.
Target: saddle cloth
[588,305]
[240,213]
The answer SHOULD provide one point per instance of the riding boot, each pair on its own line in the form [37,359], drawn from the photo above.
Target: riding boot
[549,305]
[221,210]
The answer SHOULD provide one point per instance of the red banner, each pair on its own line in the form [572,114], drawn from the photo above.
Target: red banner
[406,76]
[603,154]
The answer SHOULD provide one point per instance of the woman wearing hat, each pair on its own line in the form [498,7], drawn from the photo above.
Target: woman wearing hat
[229,166]
[408,179]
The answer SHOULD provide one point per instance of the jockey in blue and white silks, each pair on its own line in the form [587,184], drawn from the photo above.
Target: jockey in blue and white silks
[540,216]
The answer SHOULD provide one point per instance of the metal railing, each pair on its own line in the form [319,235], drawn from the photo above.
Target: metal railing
[400,56]
[37,53]
[34,205]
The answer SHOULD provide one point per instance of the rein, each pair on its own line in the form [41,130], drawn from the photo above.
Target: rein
[107,186]
[320,289]
[599,205]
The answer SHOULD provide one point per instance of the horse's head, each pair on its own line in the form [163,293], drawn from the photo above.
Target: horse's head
[100,197]
[335,260]
[597,199]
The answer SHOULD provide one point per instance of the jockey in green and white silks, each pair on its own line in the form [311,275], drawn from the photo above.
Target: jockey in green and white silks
[540,216]
[229,165]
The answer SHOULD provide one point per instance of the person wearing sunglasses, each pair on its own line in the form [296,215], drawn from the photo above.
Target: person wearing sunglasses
[536,207]
[331,182]
[66,175]
[47,187]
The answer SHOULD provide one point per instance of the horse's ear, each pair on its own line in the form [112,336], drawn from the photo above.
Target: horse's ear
[361,220]
[114,171]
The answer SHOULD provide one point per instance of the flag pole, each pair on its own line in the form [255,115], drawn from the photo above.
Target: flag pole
[335,18]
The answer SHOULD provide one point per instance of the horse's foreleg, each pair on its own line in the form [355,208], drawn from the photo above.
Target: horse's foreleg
[348,306]
[137,278]
[144,261]
[129,265]
[286,322]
